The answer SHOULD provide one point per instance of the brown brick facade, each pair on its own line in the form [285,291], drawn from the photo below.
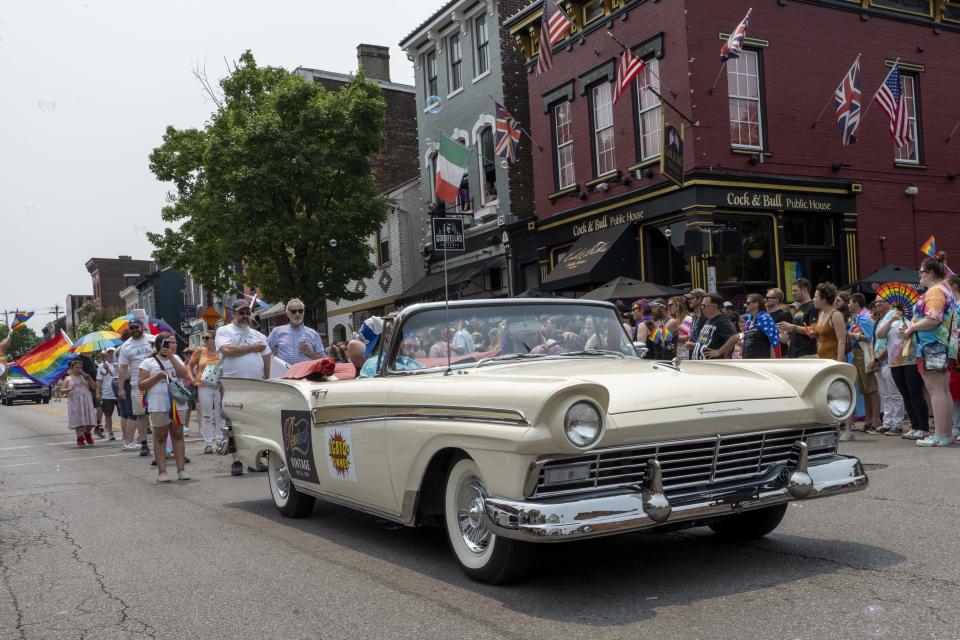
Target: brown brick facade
[108,278]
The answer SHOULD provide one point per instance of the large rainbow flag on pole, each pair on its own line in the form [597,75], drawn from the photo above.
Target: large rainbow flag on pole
[48,362]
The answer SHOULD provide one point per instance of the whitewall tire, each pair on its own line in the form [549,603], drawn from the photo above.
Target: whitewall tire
[289,501]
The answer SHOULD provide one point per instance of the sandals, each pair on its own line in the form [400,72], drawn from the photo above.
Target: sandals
[934,441]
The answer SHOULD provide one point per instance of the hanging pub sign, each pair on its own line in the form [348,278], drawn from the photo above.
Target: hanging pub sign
[671,160]
[448,234]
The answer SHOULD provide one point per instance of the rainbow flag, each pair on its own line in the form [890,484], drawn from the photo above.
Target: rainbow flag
[47,363]
[654,336]
[929,247]
[666,336]
[20,320]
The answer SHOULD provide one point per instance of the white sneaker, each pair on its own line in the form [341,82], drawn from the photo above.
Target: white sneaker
[162,477]
[131,446]
[183,475]
[846,436]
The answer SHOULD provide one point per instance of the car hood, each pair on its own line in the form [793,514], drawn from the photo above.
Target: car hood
[639,385]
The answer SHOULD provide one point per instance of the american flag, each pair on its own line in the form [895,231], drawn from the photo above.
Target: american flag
[554,24]
[734,44]
[628,69]
[764,324]
[893,101]
[848,97]
[508,134]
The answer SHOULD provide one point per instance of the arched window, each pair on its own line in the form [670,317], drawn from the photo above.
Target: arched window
[463,195]
[486,160]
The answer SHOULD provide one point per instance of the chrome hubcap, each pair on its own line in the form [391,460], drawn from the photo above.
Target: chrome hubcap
[470,514]
[282,481]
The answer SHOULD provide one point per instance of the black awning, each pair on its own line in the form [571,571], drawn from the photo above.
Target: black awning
[431,286]
[594,259]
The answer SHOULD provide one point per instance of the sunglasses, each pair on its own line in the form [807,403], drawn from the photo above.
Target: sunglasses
[243,312]
[208,337]
[297,311]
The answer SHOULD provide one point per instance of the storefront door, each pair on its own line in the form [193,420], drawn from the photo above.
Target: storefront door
[817,267]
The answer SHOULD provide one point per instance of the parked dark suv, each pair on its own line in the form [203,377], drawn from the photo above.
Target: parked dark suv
[17,388]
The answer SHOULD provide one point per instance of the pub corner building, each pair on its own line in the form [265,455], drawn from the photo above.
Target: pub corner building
[748,189]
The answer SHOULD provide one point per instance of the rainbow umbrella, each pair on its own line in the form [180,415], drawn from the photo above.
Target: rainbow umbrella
[119,324]
[96,341]
[152,326]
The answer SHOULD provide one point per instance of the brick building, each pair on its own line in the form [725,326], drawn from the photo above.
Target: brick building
[397,163]
[463,61]
[804,205]
[110,276]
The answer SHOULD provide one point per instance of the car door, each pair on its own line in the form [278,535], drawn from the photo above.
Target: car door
[350,449]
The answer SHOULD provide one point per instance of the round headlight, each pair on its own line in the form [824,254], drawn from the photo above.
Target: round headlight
[839,398]
[582,424]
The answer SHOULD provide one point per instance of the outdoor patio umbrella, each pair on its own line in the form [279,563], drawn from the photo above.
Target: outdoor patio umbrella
[96,341]
[629,289]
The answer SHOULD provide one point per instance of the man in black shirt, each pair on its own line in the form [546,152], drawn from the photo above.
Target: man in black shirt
[717,337]
[773,302]
[801,345]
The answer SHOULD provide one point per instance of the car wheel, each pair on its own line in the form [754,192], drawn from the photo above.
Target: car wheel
[37,401]
[289,502]
[482,555]
[750,524]
[46,401]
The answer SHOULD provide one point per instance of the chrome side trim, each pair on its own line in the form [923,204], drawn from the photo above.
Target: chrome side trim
[351,504]
[369,412]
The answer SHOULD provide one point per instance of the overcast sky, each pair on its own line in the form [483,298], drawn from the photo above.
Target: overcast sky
[86,90]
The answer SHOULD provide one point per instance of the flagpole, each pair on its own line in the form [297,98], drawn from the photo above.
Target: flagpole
[519,128]
[723,66]
[874,98]
[813,125]
[660,82]
[952,133]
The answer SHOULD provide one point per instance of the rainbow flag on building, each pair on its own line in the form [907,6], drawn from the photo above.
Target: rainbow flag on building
[47,363]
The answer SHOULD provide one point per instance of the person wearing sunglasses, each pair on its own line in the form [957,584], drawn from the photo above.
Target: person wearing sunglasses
[244,353]
[295,342]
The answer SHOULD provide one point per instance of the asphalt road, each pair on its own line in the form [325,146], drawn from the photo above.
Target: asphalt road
[91,547]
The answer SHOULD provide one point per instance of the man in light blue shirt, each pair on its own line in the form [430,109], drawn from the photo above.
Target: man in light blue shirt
[295,342]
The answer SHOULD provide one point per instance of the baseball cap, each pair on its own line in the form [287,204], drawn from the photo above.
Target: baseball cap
[658,302]
[135,322]
[697,293]
[241,304]
[728,305]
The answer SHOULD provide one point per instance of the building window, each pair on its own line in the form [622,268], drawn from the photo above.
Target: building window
[430,71]
[456,63]
[910,152]
[432,180]
[482,43]
[664,253]
[564,143]
[915,7]
[463,195]
[131,279]
[603,145]
[648,103]
[743,88]
[383,244]
[592,11]
[495,276]
[488,171]
[753,265]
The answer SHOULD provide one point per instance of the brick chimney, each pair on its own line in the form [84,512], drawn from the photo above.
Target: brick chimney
[375,61]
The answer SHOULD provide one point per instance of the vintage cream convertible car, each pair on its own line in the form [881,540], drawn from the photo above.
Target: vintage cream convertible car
[546,426]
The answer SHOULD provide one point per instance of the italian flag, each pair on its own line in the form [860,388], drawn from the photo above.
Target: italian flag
[451,165]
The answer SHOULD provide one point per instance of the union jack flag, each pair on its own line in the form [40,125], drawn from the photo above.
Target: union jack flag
[630,66]
[554,24]
[734,44]
[891,98]
[508,134]
[848,97]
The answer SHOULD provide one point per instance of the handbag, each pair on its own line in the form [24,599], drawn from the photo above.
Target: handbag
[181,395]
[210,377]
[935,357]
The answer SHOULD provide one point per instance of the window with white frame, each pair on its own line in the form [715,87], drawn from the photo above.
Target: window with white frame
[910,152]
[603,144]
[430,72]
[481,41]
[743,89]
[564,145]
[648,119]
[383,244]
[455,56]
[488,170]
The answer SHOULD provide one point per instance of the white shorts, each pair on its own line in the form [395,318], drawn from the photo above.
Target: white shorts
[136,401]
[160,419]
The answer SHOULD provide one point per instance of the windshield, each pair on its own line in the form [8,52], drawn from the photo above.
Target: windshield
[479,333]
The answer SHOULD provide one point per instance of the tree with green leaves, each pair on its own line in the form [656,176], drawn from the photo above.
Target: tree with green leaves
[279,179]
[20,341]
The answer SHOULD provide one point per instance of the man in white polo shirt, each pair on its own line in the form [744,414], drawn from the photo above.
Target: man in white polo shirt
[244,353]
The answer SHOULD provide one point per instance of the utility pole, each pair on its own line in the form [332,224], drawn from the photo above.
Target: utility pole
[55,312]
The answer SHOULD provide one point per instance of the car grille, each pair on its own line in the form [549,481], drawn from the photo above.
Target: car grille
[687,465]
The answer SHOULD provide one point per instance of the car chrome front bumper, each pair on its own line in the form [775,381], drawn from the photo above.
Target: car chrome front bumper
[646,506]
